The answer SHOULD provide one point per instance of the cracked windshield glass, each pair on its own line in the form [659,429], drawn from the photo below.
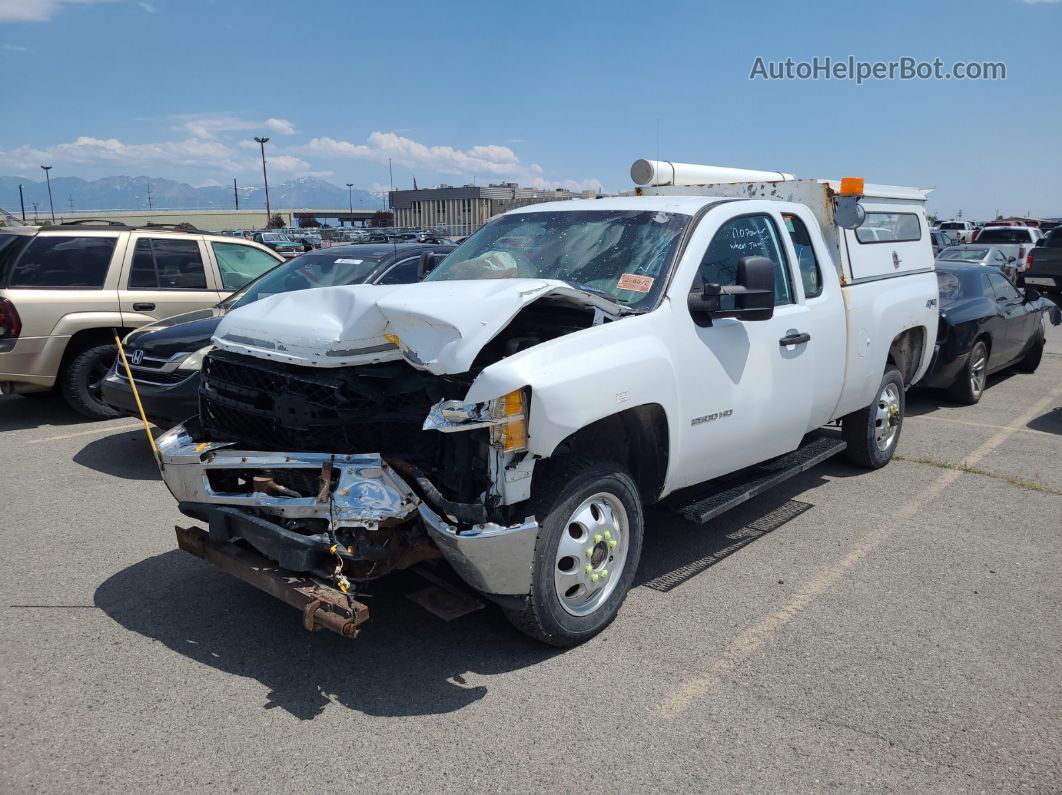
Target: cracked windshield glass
[619,254]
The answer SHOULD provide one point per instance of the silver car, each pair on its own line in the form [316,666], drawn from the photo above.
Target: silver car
[973,254]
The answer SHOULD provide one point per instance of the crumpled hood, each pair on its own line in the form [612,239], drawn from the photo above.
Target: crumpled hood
[439,326]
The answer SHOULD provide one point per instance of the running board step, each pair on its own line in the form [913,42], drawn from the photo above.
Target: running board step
[758,479]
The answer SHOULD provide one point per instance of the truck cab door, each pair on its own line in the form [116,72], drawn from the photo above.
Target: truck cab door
[745,387]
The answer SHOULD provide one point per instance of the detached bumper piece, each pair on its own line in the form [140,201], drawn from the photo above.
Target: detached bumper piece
[322,607]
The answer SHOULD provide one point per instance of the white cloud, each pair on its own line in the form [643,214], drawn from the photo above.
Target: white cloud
[1040,2]
[490,160]
[210,125]
[151,8]
[280,126]
[86,149]
[37,10]
[13,48]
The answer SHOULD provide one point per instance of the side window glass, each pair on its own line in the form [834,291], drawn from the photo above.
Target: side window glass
[807,263]
[748,236]
[164,264]
[1004,289]
[404,272]
[239,264]
[986,288]
[61,261]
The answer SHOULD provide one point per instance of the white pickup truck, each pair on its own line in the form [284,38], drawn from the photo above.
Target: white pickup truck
[566,366]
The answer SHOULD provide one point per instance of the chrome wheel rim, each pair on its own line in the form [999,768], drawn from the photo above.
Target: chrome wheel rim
[978,369]
[887,417]
[591,554]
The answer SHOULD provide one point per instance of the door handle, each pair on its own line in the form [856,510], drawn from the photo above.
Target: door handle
[793,337]
[143,307]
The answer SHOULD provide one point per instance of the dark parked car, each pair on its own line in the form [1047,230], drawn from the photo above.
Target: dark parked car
[986,325]
[1044,269]
[279,242]
[166,357]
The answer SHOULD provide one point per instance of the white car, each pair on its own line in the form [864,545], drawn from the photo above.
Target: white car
[567,365]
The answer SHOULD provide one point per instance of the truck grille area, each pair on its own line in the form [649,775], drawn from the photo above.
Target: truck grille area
[376,408]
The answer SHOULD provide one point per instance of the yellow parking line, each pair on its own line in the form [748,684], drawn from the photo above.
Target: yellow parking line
[106,429]
[753,638]
[976,424]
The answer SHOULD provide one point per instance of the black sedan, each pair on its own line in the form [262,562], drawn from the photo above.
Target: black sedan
[166,357]
[986,325]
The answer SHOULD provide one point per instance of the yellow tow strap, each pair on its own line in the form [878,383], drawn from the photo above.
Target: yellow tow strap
[139,405]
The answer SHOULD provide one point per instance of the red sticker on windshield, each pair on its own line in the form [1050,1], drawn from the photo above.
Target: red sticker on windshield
[635,282]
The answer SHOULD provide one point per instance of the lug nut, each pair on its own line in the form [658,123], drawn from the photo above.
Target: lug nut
[604,574]
[598,538]
[588,568]
[589,551]
[608,534]
[612,544]
[593,578]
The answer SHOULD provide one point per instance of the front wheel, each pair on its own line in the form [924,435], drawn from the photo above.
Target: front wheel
[589,543]
[872,433]
[81,381]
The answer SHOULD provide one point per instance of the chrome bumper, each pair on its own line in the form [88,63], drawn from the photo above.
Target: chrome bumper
[492,558]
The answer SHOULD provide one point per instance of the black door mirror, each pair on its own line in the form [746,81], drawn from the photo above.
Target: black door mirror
[1030,295]
[753,294]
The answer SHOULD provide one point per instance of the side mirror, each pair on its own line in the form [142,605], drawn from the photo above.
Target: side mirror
[1030,295]
[753,294]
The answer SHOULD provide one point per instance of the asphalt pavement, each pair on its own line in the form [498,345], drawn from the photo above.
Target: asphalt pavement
[890,630]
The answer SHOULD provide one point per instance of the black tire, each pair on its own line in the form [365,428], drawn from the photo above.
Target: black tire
[970,384]
[567,484]
[80,381]
[861,429]
[1031,360]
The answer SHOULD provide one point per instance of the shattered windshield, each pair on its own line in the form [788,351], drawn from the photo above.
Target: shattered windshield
[621,254]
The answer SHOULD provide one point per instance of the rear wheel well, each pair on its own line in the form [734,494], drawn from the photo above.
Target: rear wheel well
[905,352]
[636,438]
[89,338]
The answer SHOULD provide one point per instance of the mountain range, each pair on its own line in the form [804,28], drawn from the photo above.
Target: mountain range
[131,193]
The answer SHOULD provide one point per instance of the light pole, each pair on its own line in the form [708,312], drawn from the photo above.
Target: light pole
[350,201]
[265,179]
[48,177]
[36,220]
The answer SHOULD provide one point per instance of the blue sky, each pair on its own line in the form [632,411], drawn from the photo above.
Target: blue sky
[548,93]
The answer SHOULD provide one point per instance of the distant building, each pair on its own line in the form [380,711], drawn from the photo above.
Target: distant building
[462,210]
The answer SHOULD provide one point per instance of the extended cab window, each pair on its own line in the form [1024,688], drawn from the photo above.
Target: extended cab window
[240,264]
[889,228]
[747,236]
[810,274]
[62,261]
[165,264]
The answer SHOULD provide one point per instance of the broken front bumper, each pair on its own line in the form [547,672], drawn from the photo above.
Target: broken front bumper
[357,491]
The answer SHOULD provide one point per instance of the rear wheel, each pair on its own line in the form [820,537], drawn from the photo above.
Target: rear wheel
[81,381]
[589,543]
[970,384]
[872,433]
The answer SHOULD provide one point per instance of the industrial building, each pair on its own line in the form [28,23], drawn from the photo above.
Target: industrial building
[462,210]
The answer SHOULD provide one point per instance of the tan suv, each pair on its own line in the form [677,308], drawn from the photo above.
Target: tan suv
[64,290]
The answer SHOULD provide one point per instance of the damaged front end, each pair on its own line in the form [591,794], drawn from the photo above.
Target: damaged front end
[335,441]
[333,519]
